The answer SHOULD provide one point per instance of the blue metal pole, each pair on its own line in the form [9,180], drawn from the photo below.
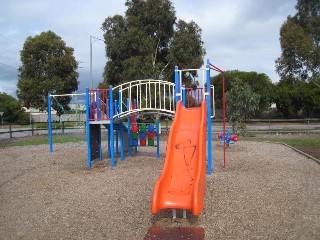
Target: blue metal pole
[109,145]
[158,138]
[208,101]
[88,134]
[184,96]
[129,129]
[111,127]
[121,142]
[50,123]
[108,110]
[99,118]
[100,144]
[117,140]
[120,100]
[115,107]
[177,84]
[135,119]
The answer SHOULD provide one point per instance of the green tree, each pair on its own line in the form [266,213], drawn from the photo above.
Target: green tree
[147,41]
[186,51]
[242,103]
[295,96]
[300,43]
[11,108]
[259,83]
[48,66]
[299,63]
[285,98]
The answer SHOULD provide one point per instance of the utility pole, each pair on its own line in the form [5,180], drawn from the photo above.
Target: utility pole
[91,79]
[92,41]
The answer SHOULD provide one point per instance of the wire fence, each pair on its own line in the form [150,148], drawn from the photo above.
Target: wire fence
[73,128]
[40,128]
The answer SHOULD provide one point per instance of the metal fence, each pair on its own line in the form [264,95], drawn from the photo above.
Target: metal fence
[39,128]
[72,117]
[255,125]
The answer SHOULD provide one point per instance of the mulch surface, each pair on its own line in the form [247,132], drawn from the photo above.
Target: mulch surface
[175,233]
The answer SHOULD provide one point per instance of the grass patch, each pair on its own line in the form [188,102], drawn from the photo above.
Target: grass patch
[43,140]
[306,142]
[298,142]
[58,125]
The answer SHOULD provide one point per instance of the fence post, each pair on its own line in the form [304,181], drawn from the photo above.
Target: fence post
[62,126]
[32,128]
[167,124]
[10,130]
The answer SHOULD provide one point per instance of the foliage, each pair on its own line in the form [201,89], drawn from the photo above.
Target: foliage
[23,118]
[242,103]
[11,108]
[186,51]
[147,42]
[294,96]
[259,83]
[48,66]
[300,44]
[299,63]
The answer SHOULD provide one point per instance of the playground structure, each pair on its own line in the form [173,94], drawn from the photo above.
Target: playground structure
[181,184]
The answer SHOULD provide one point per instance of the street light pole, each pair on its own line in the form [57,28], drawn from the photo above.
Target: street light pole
[96,39]
[91,78]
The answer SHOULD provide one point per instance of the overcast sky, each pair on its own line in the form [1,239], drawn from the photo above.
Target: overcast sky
[237,34]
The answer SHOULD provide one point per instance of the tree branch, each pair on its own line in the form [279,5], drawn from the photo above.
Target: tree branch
[163,69]
[155,55]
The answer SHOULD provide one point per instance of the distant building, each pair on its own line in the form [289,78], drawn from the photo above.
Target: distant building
[273,106]
[77,106]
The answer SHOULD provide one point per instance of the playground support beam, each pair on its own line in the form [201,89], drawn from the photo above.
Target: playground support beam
[158,138]
[224,120]
[121,143]
[111,126]
[88,128]
[177,84]
[209,126]
[184,96]
[50,123]
[128,129]
[223,112]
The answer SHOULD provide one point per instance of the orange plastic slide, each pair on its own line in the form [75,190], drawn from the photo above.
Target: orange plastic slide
[181,184]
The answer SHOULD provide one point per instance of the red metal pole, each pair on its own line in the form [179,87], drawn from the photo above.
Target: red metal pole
[224,120]
[216,69]
[223,113]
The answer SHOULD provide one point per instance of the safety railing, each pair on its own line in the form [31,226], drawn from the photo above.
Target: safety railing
[149,96]
[192,97]
[99,104]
